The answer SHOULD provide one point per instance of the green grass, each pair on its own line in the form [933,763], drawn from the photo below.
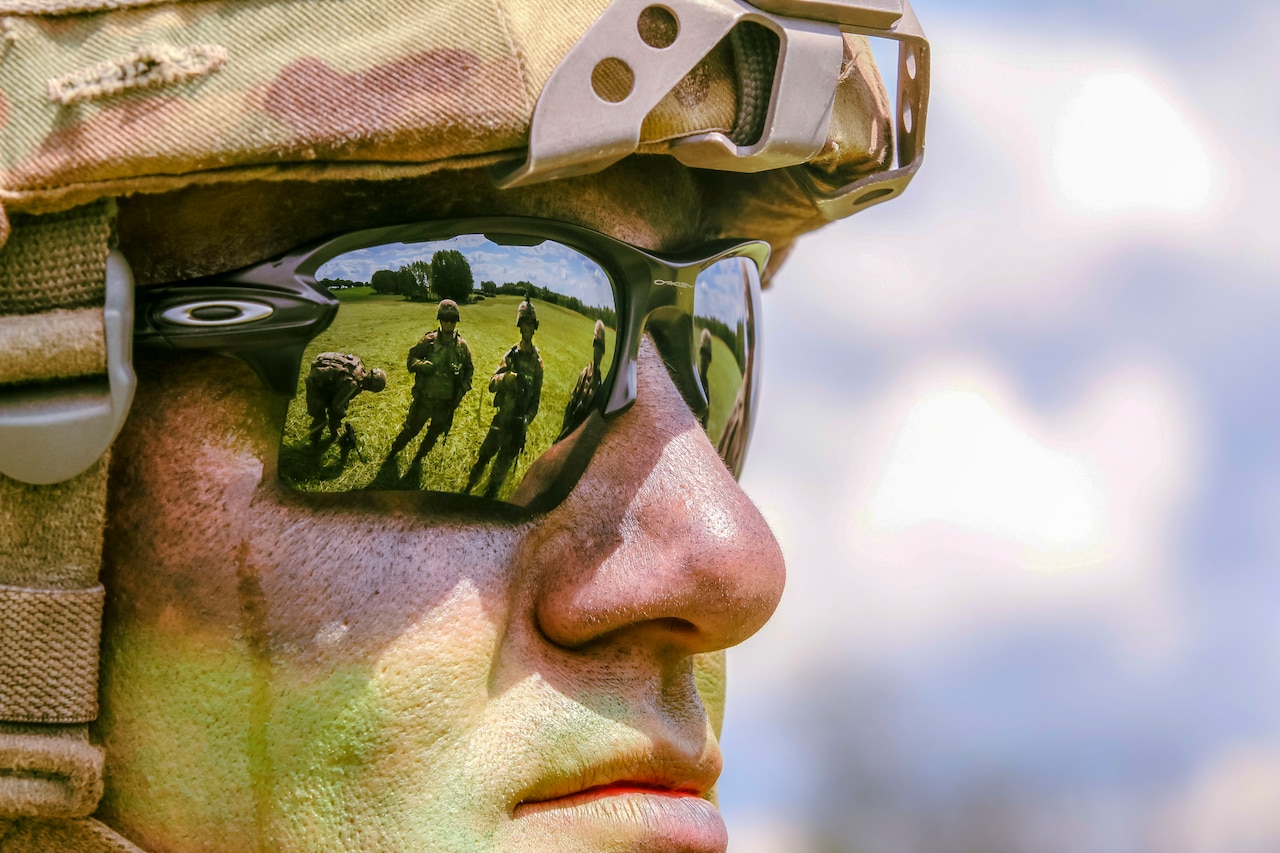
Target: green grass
[381,329]
[725,380]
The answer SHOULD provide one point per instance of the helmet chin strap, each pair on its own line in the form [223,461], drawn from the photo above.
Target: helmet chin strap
[82,835]
[57,347]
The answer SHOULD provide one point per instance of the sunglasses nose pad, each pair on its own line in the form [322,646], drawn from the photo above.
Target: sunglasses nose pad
[672,334]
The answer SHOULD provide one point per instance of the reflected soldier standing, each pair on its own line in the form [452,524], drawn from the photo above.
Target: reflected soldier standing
[584,391]
[517,390]
[704,365]
[442,371]
[334,380]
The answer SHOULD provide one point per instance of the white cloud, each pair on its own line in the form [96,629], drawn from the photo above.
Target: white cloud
[950,509]
[958,459]
[1231,806]
[1047,158]
[1122,146]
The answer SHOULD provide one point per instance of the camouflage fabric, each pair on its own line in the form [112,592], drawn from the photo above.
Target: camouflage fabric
[580,400]
[102,98]
[517,387]
[442,371]
[441,367]
[332,383]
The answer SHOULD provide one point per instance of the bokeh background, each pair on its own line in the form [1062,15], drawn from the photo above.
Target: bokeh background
[1021,445]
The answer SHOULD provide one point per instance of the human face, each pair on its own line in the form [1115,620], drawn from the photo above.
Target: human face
[527,328]
[447,326]
[303,672]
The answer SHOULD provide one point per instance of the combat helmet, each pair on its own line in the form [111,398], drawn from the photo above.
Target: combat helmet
[448,311]
[377,380]
[776,106]
[526,313]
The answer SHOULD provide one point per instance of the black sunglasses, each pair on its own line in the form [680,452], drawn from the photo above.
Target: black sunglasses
[475,358]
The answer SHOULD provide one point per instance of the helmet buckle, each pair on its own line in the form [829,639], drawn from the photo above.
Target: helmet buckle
[52,433]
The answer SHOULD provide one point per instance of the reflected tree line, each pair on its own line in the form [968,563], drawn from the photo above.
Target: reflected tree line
[448,275]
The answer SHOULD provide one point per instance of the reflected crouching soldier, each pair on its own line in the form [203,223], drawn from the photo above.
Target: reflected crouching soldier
[332,383]
[442,370]
[584,391]
[517,391]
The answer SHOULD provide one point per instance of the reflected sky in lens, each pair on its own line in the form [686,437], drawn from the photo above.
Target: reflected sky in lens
[548,265]
[720,293]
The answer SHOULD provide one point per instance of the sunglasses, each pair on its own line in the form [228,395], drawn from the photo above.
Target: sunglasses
[475,358]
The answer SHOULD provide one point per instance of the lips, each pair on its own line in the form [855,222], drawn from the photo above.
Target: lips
[613,789]
[652,800]
[662,771]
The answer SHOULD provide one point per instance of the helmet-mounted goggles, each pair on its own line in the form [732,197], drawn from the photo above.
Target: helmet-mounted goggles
[495,407]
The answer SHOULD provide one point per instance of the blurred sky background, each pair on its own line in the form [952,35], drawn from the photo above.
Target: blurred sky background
[1021,444]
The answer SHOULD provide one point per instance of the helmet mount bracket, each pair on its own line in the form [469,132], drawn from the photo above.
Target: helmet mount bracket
[567,140]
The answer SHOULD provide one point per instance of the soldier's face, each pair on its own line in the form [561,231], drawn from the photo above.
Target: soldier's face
[290,673]
[447,326]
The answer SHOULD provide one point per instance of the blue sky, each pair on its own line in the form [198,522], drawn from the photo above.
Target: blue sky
[1033,588]
[548,264]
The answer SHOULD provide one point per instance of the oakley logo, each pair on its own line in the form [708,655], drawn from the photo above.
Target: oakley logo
[223,312]
[661,281]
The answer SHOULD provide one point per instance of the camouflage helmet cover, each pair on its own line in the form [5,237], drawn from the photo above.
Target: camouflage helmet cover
[376,381]
[526,313]
[235,92]
[448,311]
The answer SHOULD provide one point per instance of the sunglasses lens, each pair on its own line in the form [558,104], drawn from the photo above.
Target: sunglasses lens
[723,324]
[452,366]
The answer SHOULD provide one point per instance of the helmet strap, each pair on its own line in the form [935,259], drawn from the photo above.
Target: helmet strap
[52,273]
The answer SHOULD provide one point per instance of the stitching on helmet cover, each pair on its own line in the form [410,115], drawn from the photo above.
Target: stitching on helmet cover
[149,67]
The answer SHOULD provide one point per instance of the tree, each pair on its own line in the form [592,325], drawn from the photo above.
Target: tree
[413,282]
[385,281]
[451,275]
[489,288]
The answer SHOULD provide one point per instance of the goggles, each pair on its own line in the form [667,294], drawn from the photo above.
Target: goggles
[474,358]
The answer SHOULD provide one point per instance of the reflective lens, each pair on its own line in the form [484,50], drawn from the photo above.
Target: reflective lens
[721,321]
[487,354]
[460,365]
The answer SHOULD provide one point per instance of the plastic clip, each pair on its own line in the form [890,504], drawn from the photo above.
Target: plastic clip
[53,432]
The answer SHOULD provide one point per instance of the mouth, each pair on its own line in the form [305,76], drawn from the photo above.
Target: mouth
[598,792]
[658,803]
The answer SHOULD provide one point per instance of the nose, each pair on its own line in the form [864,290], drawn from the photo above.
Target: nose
[657,542]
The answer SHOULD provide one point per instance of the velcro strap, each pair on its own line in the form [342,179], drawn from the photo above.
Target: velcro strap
[49,654]
[56,261]
[48,776]
[72,836]
[53,345]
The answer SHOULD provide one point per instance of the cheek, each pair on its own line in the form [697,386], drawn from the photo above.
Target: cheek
[710,677]
[333,662]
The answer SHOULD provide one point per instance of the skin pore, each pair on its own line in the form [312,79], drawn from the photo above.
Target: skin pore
[292,673]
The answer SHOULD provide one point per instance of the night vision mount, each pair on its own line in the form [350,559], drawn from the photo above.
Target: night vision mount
[622,71]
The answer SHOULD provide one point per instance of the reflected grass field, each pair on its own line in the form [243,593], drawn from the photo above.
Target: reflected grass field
[724,379]
[381,329]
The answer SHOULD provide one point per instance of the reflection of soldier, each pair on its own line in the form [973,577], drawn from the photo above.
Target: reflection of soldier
[517,390]
[704,364]
[332,383]
[584,392]
[442,371]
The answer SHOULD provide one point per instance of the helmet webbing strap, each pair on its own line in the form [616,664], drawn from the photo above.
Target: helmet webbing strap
[52,272]
[84,835]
